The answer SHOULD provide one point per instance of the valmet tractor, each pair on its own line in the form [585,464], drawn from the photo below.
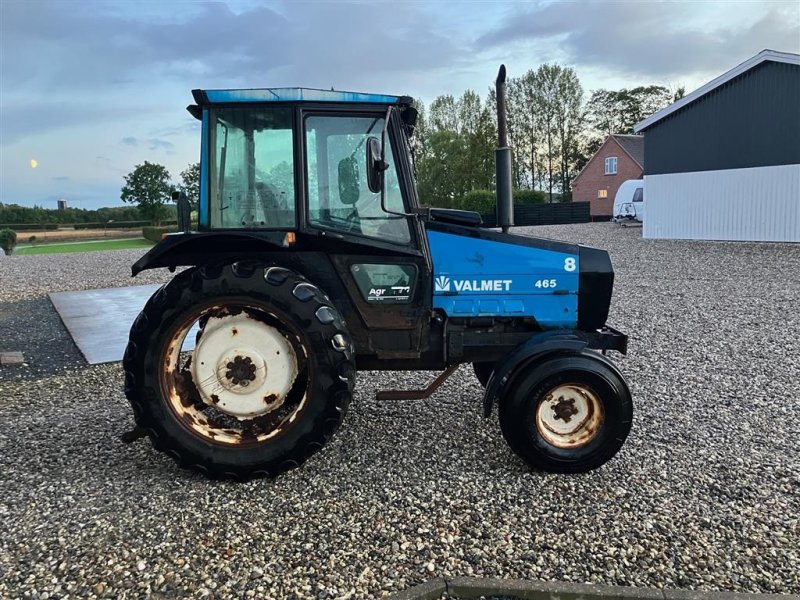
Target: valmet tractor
[314,258]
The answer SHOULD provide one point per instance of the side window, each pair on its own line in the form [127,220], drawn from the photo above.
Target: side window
[252,176]
[638,195]
[338,195]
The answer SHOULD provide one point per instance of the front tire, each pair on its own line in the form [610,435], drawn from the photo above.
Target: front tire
[267,384]
[569,413]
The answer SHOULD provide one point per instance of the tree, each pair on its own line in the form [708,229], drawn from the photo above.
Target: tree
[190,183]
[617,111]
[569,121]
[454,149]
[546,118]
[148,186]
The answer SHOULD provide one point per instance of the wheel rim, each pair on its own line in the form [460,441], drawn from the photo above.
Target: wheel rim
[569,416]
[246,380]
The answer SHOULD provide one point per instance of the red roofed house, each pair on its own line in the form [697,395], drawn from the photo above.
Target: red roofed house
[621,157]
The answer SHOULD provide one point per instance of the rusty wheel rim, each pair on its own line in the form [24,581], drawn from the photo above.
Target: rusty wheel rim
[226,393]
[569,416]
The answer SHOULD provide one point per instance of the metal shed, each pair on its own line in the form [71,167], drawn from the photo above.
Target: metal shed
[723,163]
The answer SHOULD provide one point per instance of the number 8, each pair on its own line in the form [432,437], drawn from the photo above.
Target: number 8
[569,264]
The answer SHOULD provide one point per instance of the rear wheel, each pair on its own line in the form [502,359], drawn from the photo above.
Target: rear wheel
[267,383]
[567,414]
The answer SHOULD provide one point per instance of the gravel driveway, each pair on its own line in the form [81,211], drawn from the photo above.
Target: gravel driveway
[704,495]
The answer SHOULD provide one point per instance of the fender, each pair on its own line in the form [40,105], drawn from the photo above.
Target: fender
[547,343]
[195,247]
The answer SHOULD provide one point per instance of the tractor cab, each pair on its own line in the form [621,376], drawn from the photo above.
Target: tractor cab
[297,160]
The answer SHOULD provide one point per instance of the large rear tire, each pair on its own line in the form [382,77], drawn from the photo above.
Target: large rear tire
[267,384]
[569,413]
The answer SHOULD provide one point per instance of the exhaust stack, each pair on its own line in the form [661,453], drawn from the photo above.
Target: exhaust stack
[502,157]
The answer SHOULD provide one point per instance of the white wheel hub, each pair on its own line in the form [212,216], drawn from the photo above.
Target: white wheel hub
[569,416]
[242,366]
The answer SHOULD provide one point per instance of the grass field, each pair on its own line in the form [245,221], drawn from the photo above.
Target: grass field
[85,246]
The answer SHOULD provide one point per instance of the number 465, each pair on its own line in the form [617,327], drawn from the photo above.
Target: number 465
[545,283]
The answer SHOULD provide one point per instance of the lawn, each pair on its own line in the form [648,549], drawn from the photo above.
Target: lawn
[86,246]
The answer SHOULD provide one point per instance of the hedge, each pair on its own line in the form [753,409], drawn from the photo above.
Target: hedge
[485,201]
[529,197]
[118,224]
[481,201]
[30,226]
[154,233]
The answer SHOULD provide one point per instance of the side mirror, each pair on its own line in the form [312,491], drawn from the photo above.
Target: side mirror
[375,165]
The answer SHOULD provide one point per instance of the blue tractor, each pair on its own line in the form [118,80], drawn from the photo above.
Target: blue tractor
[313,257]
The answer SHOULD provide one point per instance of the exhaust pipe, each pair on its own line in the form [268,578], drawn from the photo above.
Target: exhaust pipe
[502,157]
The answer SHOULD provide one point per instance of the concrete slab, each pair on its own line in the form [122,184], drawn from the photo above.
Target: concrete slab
[474,588]
[432,589]
[99,320]
[10,359]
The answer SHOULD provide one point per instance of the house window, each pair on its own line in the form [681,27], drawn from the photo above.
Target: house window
[602,193]
[611,165]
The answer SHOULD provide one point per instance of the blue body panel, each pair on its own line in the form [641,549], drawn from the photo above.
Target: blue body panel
[480,277]
[295,95]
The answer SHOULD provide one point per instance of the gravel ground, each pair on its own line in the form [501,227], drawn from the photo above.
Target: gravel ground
[704,495]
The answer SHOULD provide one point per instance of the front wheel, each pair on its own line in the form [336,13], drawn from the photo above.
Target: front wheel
[569,413]
[267,383]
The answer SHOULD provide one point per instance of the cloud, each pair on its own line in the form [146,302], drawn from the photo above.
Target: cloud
[655,39]
[69,46]
[21,119]
[130,141]
[158,144]
[68,63]
[62,178]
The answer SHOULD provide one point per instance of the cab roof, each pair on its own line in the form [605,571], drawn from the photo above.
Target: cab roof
[205,97]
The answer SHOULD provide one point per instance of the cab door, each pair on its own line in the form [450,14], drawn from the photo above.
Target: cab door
[382,262]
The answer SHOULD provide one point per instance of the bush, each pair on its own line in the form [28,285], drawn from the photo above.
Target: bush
[481,201]
[8,240]
[154,233]
[485,201]
[529,197]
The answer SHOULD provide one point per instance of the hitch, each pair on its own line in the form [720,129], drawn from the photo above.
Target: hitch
[417,394]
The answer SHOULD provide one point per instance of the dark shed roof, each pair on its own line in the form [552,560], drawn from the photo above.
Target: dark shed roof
[633,145]
[761,57]
[751,121]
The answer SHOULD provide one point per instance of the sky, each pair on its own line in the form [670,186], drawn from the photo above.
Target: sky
[90,89]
